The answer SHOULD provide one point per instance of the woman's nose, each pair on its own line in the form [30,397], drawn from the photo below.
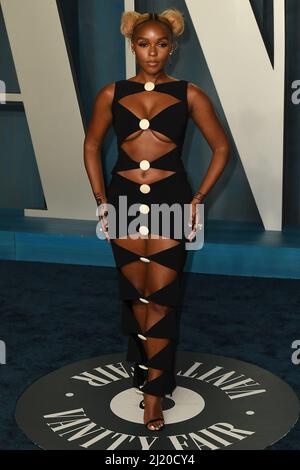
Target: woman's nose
[152,50]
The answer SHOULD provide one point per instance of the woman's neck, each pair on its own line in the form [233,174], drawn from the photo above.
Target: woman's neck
[146,77]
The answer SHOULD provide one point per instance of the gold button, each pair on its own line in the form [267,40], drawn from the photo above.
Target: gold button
[145,260]
[144,165]
[149,86]
[144,209]
[143,300]
[142,336]
[143,230]
[144,188]
[144,124]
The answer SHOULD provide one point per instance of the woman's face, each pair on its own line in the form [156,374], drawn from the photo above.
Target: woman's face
[152,45]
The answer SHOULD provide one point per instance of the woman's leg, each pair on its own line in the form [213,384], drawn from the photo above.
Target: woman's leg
[150,278]
[157,277]
[135,272]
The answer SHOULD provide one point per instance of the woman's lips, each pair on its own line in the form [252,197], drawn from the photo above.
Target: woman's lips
[152,63]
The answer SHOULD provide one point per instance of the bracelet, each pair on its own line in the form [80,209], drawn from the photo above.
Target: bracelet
[202,194]
[99,198]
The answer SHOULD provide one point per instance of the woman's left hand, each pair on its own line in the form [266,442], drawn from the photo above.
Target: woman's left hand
[194,219]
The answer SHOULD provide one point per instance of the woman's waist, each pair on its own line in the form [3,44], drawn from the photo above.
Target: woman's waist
[170,161]
[171,187]
[149,176]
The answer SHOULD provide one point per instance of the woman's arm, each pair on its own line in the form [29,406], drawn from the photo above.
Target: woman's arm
[98,125]
[204,116]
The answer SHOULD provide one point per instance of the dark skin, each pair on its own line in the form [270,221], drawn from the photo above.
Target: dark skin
[152,41]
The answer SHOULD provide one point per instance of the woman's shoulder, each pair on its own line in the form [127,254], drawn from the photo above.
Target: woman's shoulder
[197,96]
[195,89]
[108,89]
[106,93]
[195,92]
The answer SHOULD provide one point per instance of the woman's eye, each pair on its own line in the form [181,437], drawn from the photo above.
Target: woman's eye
[143,44]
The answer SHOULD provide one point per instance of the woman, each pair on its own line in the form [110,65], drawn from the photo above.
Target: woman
[149,113]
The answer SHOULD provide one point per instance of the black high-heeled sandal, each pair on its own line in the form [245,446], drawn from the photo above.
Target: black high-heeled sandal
[152,421]
[142,406]
[142,403]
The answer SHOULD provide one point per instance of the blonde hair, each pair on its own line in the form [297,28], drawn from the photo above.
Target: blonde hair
[172,17]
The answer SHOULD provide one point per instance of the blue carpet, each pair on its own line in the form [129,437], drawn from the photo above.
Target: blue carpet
[56,314]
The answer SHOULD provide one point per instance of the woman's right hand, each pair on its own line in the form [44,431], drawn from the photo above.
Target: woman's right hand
[194,219]
[103,217]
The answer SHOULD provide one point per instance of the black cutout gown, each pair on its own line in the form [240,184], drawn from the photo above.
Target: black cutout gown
[170,121]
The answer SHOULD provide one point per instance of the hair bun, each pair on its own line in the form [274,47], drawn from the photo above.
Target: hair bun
[176,20]
[128,21]
[172,17]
